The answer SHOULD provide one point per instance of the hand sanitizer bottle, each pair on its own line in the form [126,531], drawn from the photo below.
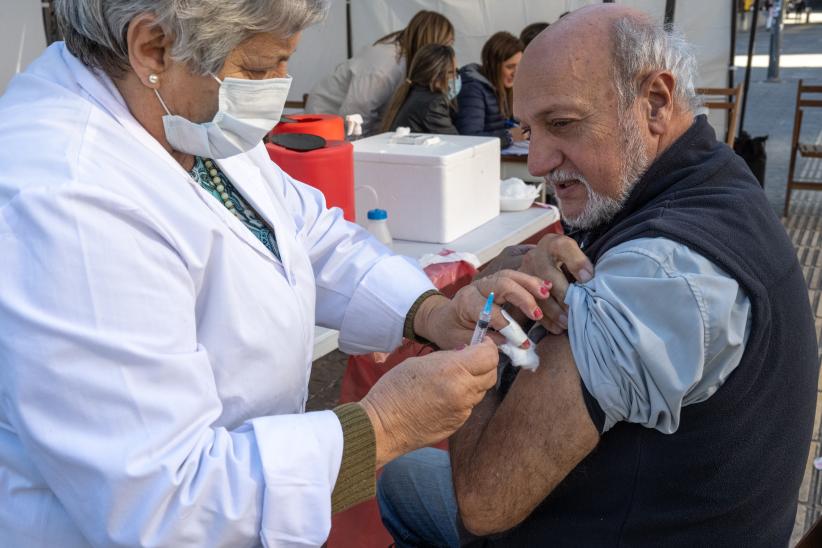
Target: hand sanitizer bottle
[378,226]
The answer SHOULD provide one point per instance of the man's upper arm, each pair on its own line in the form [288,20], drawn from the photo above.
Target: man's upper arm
[659,327]
[538,434]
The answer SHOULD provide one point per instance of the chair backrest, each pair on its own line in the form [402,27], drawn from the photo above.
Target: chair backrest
[728,99]
[813,536]
[803,91]
[804,100]
[297,104]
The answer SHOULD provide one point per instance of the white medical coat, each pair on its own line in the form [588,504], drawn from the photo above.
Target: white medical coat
[154,355]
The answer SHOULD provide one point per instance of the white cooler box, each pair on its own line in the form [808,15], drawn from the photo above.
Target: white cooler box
[433,192]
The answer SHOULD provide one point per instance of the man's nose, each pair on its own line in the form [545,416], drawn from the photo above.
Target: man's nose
[543,157]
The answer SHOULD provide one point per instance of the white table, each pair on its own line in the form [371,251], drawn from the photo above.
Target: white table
[486,242]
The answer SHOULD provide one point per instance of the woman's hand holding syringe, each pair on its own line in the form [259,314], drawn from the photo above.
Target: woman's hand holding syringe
[450,323]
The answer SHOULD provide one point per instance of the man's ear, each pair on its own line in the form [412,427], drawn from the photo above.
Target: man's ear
[149,49]
[657,93]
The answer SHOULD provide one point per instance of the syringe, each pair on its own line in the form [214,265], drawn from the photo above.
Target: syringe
[484,320]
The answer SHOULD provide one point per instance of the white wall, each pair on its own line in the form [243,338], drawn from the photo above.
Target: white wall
[706,23]
[474,20]
[321,48]
[22,36]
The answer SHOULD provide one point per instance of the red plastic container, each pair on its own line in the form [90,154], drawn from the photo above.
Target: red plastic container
[329,169]
[328,126]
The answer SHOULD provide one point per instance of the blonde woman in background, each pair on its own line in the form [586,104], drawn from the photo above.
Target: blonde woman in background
[365,83]
[425,100]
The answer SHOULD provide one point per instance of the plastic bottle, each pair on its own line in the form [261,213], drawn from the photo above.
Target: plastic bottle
[378,226]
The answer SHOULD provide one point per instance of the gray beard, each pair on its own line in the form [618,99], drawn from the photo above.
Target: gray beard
[600,209]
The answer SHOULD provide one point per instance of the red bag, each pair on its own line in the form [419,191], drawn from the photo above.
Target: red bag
[365,370]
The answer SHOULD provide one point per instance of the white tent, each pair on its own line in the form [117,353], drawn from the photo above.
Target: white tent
[22,36]
[706,23]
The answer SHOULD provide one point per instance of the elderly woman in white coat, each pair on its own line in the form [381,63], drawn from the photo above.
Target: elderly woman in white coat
[160,284]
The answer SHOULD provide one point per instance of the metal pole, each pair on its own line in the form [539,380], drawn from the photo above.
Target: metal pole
[747,91]
[670,8]
[731,61]
[776,42]
[348,41]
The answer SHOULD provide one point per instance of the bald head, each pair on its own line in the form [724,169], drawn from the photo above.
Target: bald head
[584,37]
[604,91]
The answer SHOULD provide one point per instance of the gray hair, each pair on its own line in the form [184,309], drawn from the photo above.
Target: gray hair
[204,31]
[642,46]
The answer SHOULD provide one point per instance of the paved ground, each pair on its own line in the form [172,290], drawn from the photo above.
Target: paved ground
[804,225]
[770,111]
[326,377]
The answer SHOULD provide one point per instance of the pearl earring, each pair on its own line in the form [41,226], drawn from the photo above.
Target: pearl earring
[153,79]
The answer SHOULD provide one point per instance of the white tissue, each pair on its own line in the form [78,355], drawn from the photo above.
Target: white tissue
[449,256]
[402,131]
[525,358]
[517,188]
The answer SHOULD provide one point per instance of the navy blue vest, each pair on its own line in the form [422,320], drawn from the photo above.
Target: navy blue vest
[729,476]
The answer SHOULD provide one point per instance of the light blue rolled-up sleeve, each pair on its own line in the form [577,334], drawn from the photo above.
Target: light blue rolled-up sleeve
[659,327]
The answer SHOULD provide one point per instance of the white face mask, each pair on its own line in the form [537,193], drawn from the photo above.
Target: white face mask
[248,110]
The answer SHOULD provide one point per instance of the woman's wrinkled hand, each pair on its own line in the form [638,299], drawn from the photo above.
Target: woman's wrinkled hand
[426,399]
[449,323]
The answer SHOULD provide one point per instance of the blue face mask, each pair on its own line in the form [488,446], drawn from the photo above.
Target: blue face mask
[454,87]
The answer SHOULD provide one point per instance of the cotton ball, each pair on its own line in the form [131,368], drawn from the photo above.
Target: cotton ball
[525,358]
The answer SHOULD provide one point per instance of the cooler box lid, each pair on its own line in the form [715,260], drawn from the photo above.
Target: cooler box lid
[415,150]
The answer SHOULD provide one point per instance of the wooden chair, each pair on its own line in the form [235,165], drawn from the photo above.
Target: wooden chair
[813,536]
[805,150]
[297,104]
[728,99]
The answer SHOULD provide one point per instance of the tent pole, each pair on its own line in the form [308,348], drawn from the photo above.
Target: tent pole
[747,90]
[732,60]
[670,8]
[348,43]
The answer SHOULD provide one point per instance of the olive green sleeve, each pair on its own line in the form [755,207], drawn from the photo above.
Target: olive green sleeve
[356,481]
[408,326]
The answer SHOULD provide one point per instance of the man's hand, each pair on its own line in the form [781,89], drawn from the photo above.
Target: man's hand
[450,323]
[509,259]
[546,261]
[424,400]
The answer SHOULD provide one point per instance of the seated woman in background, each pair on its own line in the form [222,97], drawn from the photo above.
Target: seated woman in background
[365,83]
[424,101]
[485,101]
